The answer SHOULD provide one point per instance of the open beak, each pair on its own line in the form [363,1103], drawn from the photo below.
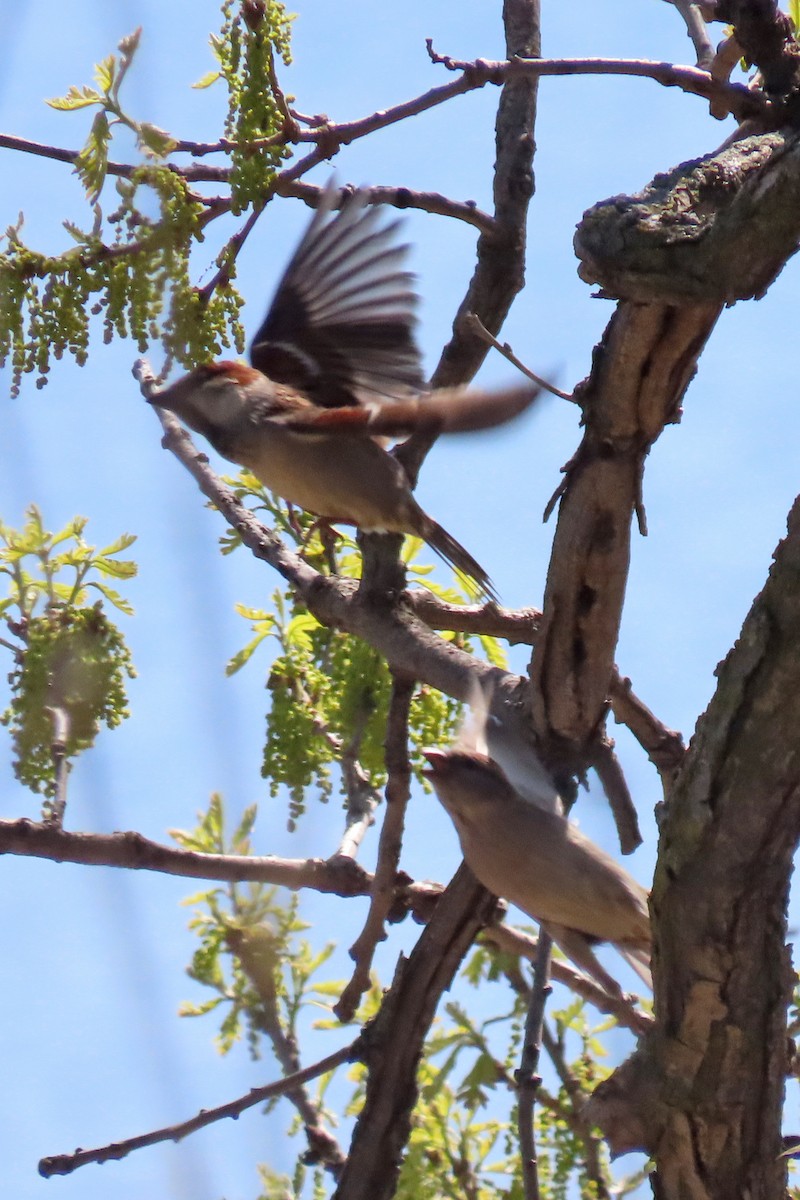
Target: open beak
[437,759]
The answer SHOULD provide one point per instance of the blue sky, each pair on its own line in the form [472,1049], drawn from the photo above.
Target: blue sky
[94,959]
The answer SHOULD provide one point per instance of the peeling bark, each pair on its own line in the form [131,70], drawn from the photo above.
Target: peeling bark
[640,371]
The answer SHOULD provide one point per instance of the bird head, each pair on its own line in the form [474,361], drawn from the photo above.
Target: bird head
[465,781]
[214,397]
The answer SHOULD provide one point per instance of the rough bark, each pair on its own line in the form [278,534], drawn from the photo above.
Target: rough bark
[704,1093]
[640,372]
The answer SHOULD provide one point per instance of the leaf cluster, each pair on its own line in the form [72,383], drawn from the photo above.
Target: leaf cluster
[67,655]
[257,122]
[132,267]
[251,954]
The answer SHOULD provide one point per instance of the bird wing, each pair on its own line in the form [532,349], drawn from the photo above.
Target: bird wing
[341,324]
[449,410]
[544,865]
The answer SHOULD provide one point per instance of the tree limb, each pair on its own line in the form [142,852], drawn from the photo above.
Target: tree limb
[705,1091]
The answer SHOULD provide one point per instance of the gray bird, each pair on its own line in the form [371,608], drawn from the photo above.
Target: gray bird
[541,862]
[336,368]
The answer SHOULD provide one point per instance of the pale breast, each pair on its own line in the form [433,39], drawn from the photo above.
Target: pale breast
[336,476]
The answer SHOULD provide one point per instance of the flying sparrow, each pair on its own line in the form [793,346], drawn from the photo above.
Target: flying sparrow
[335,368]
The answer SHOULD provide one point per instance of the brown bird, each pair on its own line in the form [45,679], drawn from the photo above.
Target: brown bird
[336,367]
[542,863]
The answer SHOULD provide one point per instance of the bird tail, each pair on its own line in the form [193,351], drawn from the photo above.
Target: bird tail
[639,961]
[454,553]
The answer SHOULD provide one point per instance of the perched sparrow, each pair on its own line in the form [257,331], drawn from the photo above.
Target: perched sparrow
[336,367]
[542,863]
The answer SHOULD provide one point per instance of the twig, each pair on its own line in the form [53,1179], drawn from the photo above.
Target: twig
[665,747]
[382,895]
[527,1076]
[473,322]
[743,102]
[609,772]
[517,626]
[190,174]
[233,248]
[362,800]
[65,1164]
[338,876]
[692,14]
[728,55]
[132,851]
[291,129]
[58,750]
[577,1097]
[573,1116]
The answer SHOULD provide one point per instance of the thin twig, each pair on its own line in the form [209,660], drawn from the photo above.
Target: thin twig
[665,747]
[474,323]
[592,1144]
[65,1164]
[743,102]
[517,626]
[361,797]
[692,14]
[338,876]
[233,248]
[58,750]
[528,1079]
[362,800]
[328,138]
[609,772]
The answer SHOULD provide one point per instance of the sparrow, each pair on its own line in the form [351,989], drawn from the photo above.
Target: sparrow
[541,862]
[335,369]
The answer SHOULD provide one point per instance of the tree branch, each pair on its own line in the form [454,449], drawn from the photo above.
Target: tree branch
[65,1164]
[528,1079]
[639,374]
[721,966]
[395,1038]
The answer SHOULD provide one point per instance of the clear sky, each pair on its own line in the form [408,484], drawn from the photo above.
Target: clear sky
[90,1043]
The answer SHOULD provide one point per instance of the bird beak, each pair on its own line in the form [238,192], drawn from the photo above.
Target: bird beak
[437,759]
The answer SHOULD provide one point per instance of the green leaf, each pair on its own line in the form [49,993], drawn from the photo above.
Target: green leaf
[105,73]
[207,80]
[156,141]
[92,162]
[112,597]
[299,630]
[121,543]
[242,833]
[116,568]
[76,98]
